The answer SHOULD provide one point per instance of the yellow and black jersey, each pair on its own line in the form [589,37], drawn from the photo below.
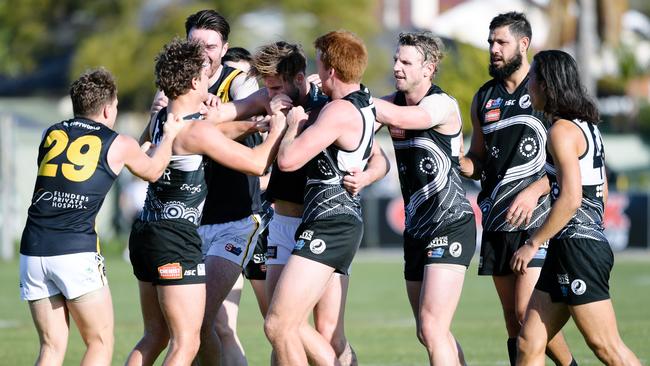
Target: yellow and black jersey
[73,179]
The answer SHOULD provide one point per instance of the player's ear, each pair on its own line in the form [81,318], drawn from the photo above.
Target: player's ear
[224,49]
[106,111]
[299,79]
[524,43]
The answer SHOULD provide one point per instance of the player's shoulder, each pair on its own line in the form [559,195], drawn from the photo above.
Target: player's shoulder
[487,86]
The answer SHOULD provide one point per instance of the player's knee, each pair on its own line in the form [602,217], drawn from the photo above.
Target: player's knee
[605,349]
[528,345]
[326,328]
[224,330]
[431,334]
[272,328]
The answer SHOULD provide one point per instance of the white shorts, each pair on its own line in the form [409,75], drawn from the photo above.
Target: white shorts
[281,241]
[234,240]
[73,275]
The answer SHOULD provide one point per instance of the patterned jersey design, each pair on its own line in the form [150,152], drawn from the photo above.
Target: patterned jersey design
[587,223]
[181,190]
[428,168]
[324,192]
[514,136]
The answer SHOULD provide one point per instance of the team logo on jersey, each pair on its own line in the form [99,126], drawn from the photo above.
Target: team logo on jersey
[440,241]
[41,195]
[272,251]
[524,101]
[493,103]
[528,147]
[307,234]
[578,287]
[317,246]
[397,133]
[493,115]
[259,258]
[230,247]
[436,253]
[428,166]
[170,271]
[455,249]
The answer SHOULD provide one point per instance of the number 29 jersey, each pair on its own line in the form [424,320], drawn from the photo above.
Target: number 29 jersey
[72,182]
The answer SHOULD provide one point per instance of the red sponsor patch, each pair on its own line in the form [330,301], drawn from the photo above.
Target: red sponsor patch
[397,132]
[170,271]
[493,115]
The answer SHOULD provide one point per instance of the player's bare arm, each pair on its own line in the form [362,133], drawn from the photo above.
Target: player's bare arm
[337,124]
[205,138]
[433,111]
[566,143]
[471,164]
[521,209]
[125,151]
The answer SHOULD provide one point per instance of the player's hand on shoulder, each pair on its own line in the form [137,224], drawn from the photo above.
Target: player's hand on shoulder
[173,125]
[160,101]
[314,78]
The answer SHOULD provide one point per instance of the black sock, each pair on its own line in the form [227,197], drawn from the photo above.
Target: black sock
[573,362]
[512,350]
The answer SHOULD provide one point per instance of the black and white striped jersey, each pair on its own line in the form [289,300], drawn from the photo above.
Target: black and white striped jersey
[428,168]
[325,195]
[515,139]
[180,192]
[587,223]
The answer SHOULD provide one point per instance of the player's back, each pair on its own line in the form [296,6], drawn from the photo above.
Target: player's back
[72,181]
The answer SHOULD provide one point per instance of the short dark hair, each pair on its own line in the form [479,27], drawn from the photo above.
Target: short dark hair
[516,22]
[234,54]
[565,96]
[92,91]
[208,19]
[281,59]
[177,64]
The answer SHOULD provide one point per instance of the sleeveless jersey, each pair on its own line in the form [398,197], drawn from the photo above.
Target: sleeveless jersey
[587,222]
[72,182]
[290,186]
[232,195]
[515,139]
[180,192]
[325,195]
[428,168]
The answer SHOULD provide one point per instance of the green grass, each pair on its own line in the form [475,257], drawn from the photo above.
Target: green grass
[379,323]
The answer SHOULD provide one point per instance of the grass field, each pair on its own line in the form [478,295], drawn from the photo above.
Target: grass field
[379,322]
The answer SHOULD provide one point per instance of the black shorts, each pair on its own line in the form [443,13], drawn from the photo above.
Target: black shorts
[577,271]
[454,244]
[256,267]
[332,241]
[166,252]
[497,249]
